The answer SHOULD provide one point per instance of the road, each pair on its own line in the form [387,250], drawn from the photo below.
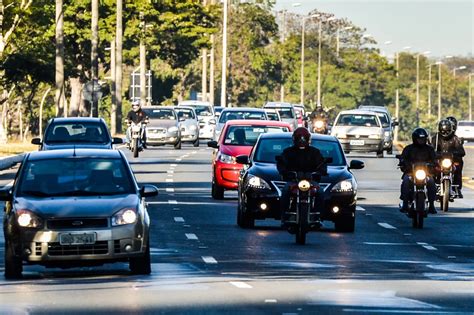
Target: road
[203,263]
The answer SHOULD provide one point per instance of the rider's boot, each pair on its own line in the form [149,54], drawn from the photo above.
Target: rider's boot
[432,208]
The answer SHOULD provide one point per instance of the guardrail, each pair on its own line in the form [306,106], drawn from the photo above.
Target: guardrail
[10,161]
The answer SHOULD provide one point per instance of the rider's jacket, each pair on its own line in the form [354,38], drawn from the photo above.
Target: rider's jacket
[318,114]
[451,145]
[413,153]
[294,159]
[137,116]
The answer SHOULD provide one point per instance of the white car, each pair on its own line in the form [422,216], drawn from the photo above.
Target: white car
[189,124]
[207,120]
[465,130]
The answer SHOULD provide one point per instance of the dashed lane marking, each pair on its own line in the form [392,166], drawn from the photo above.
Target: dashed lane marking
[209,260]
[360,208]
[169,189]
[241,285]
[170,175]
[179,159]
[170,172]
[387,226]
[191,236]
[451,257]
[428,247]
[178,219]
[172,202]
[174,165]
[169,180]
[271,301]
[9,184]
[422,243]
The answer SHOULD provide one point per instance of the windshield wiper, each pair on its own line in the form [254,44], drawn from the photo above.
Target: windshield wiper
[36,193]
[75,193]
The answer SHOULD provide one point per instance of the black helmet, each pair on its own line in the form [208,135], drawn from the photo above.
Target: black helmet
[454,121]
[301,137]
[419,136]
[445,128]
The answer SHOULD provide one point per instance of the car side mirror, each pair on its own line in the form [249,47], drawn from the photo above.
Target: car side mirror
[356,165]
[212,121]
[182,119]
[213,144]
[242,159]
[148,191]
[117,140]
[36,141]
[6,194]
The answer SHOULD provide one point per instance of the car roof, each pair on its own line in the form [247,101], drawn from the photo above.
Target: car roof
[289,135]
[374,108]
[358,112]
[255,122]
[243,109]
[70,153]
[183,107]
[278,104]
[191,103]
[158,107]
[78,119]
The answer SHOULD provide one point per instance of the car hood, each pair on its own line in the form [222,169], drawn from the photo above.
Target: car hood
[235,150]
[91,206]
[269,172]
[61,146]
[356,130]
[165,123]
[189,122]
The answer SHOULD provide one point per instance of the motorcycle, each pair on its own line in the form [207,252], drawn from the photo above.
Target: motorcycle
[301,217]
[418,202]
[137,132]
[319,126]
[446,191]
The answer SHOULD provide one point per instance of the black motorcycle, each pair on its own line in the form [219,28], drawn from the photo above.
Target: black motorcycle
[446,191]
[320,126]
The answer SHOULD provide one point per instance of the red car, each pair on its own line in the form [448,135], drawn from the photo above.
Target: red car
[237,138]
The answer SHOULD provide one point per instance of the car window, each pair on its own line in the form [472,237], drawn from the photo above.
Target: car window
[384,119]
[268,149]
[75,176]
[84,132]
[185,113]
[248,135]
[272,116]
[164,114]
[357,120]
[286,113]
[234,115]
[203,110]
[466,124]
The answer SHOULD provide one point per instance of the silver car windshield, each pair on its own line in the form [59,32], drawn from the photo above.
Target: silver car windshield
[286,113]
[358,120]
[164,114]
[75,177]
[84,132]
[185,113]
[268,149]
[234,115]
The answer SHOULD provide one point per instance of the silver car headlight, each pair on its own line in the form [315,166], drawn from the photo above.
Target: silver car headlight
[125,216]
[374,137]
[346,185]
[225,158]
[173,129]
[257,182]
[28,219]
[386,134]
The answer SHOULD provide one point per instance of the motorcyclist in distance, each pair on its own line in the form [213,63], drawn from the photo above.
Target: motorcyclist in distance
[300,157]
[417,152]
[446,141]
[136,115]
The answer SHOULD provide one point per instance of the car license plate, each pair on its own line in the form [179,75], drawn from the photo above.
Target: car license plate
[77,239]
[155,136]
[357,142]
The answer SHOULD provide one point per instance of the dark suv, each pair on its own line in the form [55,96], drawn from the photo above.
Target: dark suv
[83,132]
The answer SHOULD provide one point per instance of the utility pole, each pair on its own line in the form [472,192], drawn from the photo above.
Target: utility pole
[204,68]
[417,90]
[283,35]
[113,111]
[224,57]
[470,96]
[142,60]
[429,91]
[302,62]
[60,98]
[94,56]
[397,96]
[212,66]
[319,62]
[439,91]
[117,115]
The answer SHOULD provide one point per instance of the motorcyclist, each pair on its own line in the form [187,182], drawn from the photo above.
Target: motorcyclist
[136,115]
[417,152]
[301,157]
[445,140]
[319,114]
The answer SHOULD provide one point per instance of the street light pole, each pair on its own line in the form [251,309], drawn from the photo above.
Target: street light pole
[418,86]
[319,63]
[212,66]
[142,61]
[439,90]
[397,96]
[458,68]
[282,87]
[224,57]
[470,95]
[429,91]
[204,68]
[302,63]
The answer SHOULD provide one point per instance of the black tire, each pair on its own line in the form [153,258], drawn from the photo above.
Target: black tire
[421,217]
[135,148]
[390,150]
[244,220]
[141,265]
[13,264]
[380,154]
[302,228]
[419,211]
[345,224]
[177,145]
[217,191]
[196,143]
[445,197]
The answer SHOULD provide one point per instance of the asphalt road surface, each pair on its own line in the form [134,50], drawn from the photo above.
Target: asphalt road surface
[202,263]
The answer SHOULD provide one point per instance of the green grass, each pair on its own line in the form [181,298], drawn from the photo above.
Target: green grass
[13,148]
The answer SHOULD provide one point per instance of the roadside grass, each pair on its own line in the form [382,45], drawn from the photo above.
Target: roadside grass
[13,148]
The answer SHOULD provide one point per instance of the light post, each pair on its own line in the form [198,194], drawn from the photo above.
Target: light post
[397,92]
[429,89]
[338,37]
[439,63]
[470,95]
[302,56]
[418,86]
[458,68]
[224,57]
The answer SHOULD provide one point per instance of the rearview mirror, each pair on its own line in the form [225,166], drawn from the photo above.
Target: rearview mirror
[213,144]
[356,165]
[116,140]
[36,141]
[242,159]
[148,191]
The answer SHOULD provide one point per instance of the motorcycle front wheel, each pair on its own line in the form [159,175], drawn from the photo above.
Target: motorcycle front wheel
[302,228]
[135,148]
[445,196]
[419,214]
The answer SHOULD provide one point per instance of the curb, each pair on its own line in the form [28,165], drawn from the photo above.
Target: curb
[10,161]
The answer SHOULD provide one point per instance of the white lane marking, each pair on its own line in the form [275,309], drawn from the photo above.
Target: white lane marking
[170,175]
[174,165]
[209,260]
[386,244]
[451,257]
[407,234]
[176,209]
[9,184]
[428,247]
[191,236]
[169,180]
[359,208]
[170,172]
[169,189]
[178,219]
[270,301]
[241,285]
[194,152]
[172,202]
[387,226]
[179,159]
[421,243]
[368,214]
[185,156]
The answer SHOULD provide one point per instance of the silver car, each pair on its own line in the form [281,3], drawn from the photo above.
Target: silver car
[238,113]
[387,122]
[360,131]
[207,120]
[189,124]
[163,126]
[286,111]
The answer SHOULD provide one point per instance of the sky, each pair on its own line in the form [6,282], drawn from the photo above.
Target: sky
[443,27]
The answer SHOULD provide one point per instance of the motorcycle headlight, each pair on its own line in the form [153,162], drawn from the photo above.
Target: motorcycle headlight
[343,186]
[420,175]
[319,124]
[446,163]
[224,158]
[304,185]
[173,129]
[28,219]
[257,182]
[125,216]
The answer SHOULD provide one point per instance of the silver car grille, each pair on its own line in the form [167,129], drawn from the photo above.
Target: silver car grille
[156,130]
[279,185]
[99,248]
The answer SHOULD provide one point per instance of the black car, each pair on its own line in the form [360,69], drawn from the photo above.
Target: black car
[260,183]
[76,207]
[84,132]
